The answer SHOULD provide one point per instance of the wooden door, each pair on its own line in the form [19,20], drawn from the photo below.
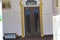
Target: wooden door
[31,15]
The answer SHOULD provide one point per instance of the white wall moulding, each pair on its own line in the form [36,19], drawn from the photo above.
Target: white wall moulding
[36,3]
[10,35]
[31,2]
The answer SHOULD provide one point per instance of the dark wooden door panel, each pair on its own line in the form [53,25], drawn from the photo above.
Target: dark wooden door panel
[32,21]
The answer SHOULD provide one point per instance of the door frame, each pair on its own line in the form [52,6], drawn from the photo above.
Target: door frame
[41,19]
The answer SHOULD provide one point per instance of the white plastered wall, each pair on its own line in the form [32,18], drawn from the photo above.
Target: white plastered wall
[12,18]
[47,17]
